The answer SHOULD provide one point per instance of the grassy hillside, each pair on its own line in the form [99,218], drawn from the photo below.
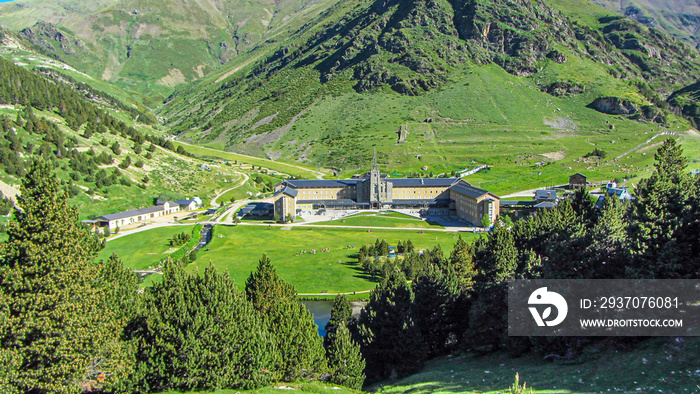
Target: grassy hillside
[658,365]
[511,96]
[152,46]
[679,18]
[106,163]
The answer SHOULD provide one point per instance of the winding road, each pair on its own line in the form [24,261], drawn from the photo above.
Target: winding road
[239,184]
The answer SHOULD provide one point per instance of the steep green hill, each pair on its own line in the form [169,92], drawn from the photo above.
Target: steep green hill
[104,151]
[505,83]
[679,18]
[152,46]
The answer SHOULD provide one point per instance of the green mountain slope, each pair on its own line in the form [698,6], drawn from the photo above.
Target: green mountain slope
[152,46]
[680,18]
[107,160]
[492,81]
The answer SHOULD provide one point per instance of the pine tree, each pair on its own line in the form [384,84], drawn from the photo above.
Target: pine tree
[409,246]
[437,309]
[661,209]
[120,286]
[496,257]
[462,263]
[341,313]
[56,329]
[298,349]
[200,333]
[345,362]
[607,255]
[264,288]
[389,337]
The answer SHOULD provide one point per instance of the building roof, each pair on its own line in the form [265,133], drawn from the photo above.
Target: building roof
[291,192]
[544,194]
[322,182]
[578,173]
[397,182]
[622,194]
[183,202]
[469,190]
[545,204]
[162,202]
[412,182]
[517,203]
[134,212]
[417,201]
[339,202]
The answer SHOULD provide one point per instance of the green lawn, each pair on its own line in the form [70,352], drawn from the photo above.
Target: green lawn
[659,365]
[238,250]
[141,250]
[381,219]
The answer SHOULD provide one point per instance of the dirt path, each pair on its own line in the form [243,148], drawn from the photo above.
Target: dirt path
[8,191]
[645,143]
[239,184]
[229,73]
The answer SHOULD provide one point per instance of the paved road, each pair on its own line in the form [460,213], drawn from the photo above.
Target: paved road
[318,174]
[530,193]
[225,218]
[446,230]
[123,233]
[333,294]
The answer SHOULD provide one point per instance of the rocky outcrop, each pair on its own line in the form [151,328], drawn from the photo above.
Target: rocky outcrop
[618,106]
[614,106]
[47,38]
[564,88]
[651,114]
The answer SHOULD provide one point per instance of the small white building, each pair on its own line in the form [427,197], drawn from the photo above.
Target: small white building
[187,205]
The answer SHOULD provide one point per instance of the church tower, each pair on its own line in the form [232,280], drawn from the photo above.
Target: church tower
[379,190]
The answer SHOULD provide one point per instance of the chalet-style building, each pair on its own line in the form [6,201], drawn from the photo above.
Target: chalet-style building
[375,190]
[577,181]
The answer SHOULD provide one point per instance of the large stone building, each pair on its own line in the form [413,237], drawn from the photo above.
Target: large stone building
[434,196]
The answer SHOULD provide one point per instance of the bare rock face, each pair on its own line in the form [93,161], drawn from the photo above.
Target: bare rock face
[564,88]
[614,106]
[618,106]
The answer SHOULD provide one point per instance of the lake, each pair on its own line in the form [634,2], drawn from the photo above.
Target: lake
[322,313]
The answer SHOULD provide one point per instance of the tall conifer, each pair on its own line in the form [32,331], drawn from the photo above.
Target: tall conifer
[345,363]
[298,349]
[55,326]
[391,341]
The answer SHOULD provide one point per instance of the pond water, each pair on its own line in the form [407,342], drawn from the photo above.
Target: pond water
[322,313]
[5,1]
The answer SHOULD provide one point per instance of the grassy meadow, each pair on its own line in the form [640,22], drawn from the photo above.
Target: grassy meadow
[238,249]
[381,219]
[144,249]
